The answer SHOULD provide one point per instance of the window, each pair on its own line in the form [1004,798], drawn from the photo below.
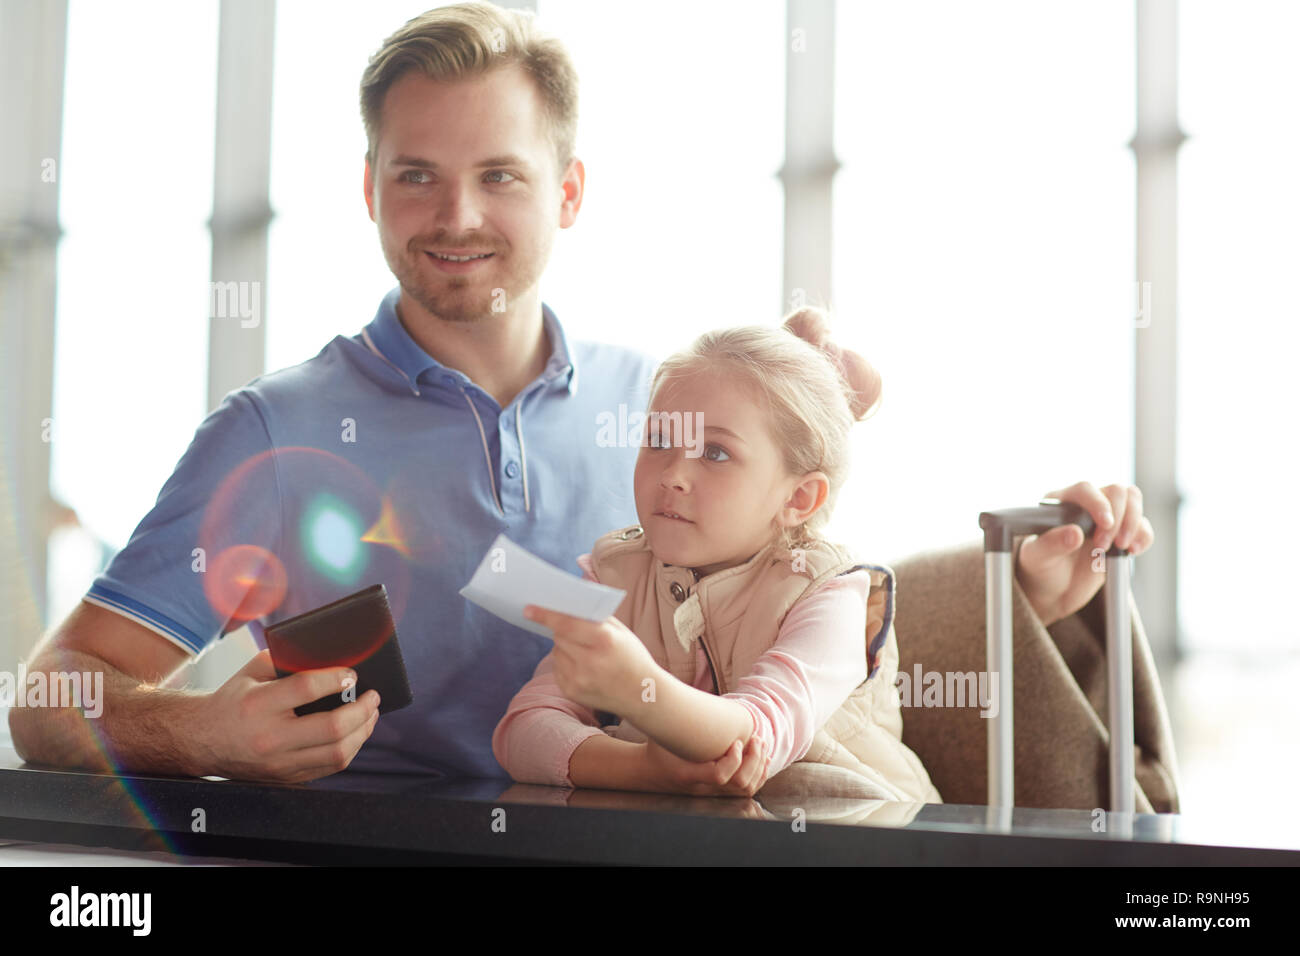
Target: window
[1238,334]
[135,195]
[325,270]
[984,256]
[681,134]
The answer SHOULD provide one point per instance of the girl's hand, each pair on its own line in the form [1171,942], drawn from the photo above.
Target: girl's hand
[600,664]
[1058,574]
[740,772]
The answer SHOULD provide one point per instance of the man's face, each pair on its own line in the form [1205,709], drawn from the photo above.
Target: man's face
[467,168]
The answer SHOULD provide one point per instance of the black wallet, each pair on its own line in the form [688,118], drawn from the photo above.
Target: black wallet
[356,631]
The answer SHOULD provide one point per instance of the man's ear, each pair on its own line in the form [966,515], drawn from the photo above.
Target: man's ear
[368,186]
[571,191]
[805,498]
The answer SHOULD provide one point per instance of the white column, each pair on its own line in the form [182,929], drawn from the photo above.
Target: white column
[241,210]
[1155,144]
[810,164]
[33,37]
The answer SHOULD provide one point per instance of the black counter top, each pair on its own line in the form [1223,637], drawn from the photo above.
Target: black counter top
[357,818]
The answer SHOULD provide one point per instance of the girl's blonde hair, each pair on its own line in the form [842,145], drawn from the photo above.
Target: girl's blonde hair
[468,40]
[813,392]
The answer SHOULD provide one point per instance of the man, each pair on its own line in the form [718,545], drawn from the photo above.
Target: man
[398,454]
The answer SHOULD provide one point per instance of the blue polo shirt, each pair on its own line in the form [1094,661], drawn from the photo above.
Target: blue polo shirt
[374,463]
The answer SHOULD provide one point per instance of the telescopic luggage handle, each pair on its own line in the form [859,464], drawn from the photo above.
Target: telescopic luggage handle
[1000,527]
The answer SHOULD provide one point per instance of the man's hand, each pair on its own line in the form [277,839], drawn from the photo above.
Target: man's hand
[740,772]
[1055,570]
[599,664]
[250,731]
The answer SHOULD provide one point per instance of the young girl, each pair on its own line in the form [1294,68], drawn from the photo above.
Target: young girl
[747,646]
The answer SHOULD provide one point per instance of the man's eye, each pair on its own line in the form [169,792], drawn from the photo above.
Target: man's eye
[500,172]
[718,448]
[413,172]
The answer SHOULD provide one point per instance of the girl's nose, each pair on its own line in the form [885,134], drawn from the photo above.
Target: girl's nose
[674,473]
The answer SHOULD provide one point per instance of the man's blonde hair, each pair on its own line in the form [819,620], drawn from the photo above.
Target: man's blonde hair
[467,40]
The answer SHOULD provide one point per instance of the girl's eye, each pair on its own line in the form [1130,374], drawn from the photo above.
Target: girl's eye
[653,439]
[719,448]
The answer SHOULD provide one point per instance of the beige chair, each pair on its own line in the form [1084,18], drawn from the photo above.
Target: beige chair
[1061,742]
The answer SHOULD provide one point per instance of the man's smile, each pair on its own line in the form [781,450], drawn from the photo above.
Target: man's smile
[458,263]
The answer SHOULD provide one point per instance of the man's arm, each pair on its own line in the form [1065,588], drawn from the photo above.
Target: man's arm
[246,729]
[142,726]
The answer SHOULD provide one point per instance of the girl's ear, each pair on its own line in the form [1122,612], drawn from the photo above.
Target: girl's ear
[805,498]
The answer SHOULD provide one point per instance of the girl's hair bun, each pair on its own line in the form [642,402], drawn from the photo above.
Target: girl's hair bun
[862,382]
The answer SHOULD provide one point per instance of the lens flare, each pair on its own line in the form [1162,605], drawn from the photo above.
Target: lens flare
[388,529]
[310,509]
[331,539]
[245,582]
[409,520]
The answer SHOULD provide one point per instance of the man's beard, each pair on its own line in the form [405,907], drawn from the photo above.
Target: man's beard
[450,298]
[459,304]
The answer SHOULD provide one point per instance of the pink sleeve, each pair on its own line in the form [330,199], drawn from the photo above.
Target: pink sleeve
[819,657]
[541,728]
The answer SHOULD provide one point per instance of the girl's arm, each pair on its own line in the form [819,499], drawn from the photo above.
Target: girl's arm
[598,760]
[693,724]
[817,660]
[541,729]
[609,764]
[547,738]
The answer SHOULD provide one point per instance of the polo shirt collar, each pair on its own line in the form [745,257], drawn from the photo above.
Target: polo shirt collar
[400,350]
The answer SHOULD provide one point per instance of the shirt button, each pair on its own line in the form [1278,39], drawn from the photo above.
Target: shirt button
[679,594]
[512,470]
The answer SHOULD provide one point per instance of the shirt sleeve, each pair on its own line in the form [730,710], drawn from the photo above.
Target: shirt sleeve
[541,729]
[169,575]
[818,659]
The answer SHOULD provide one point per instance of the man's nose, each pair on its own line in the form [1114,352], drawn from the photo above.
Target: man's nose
[457,208]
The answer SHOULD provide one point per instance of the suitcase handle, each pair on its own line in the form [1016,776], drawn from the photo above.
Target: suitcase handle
[1000,527]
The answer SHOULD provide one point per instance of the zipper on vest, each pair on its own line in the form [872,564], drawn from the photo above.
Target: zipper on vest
[717,688]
